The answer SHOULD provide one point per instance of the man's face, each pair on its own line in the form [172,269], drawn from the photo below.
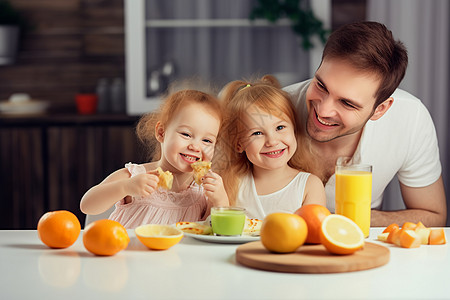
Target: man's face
[340,100]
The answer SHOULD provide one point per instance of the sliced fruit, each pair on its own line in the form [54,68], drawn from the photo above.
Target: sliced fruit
[409,225]
[437,237]
[383,236]
[420,225]
[409,239]
[341,235]
[424,234]
[393,236]
[158,237]
[391,227]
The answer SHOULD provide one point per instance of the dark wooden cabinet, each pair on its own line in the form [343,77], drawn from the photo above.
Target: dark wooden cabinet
[49,162]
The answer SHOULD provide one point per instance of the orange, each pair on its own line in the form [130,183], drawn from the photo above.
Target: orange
[341,235]
[393,236]
[409,239]
[58,229]
[105,237]
[437,237]
[283,232]
[313,214]
[391,227]
[158,237]
[409,225]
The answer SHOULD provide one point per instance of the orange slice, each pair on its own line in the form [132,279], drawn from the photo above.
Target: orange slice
[437,237]
[340,235]
[409,225]
[409,239]
[391,227]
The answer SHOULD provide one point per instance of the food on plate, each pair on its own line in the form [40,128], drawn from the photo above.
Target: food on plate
[105,237]
[341,235]
[194,227]
[412,235]
[283,232]
[158,237]
[252,226]
[165,179]
[200,169]
[313,214]
[58,229]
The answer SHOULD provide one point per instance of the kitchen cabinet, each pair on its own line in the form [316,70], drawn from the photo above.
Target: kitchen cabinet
[48,162]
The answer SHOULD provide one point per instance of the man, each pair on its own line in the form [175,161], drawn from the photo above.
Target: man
[352,108]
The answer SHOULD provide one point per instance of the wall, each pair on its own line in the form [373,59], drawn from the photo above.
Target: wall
[70,45]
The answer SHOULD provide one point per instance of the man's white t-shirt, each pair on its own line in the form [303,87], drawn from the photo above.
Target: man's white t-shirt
[403,142]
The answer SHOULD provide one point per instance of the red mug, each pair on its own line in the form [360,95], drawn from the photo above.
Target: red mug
[86,103]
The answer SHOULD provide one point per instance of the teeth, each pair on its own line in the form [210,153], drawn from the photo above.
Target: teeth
[323,122]
[275,152]
[190,158]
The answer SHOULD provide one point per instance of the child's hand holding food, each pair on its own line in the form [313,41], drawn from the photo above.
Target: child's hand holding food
[214,189]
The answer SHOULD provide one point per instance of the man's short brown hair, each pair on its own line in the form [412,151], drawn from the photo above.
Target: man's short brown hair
[370,46]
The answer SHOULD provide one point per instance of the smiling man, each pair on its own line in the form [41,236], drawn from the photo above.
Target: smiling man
[352,108]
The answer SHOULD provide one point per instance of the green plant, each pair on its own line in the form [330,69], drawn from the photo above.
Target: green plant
[303,21]
[9,15]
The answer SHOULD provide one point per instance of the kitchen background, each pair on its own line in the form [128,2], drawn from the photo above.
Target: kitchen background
[48,161]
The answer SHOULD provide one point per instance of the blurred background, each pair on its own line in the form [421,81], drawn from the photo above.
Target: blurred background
[83,71]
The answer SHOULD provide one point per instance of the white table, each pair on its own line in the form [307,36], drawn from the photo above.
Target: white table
[199,270]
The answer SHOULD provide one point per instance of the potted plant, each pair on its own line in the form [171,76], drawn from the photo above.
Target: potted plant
[303,21]
[11,22]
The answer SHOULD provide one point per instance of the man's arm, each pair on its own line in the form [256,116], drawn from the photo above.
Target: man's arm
[426,204]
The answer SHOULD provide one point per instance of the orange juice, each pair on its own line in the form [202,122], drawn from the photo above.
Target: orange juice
[354,195]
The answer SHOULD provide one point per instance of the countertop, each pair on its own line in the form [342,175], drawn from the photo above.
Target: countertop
[195,269]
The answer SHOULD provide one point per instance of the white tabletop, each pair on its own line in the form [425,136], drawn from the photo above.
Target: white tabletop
[200,270]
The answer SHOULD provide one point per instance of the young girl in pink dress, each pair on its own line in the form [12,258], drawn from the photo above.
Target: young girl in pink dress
[186,128]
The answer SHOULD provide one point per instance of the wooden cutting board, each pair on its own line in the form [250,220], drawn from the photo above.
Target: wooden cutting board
[311,259]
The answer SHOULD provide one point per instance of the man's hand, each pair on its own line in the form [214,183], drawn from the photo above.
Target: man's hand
[426,204]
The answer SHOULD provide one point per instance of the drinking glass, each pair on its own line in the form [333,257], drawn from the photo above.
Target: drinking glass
[354,192]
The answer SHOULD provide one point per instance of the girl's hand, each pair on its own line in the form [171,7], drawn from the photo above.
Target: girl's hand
[142,184]
[214,189]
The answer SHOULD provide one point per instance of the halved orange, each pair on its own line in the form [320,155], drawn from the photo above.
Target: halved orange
[158,237]
[341,235]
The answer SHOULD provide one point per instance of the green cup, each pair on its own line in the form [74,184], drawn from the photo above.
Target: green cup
[227,221]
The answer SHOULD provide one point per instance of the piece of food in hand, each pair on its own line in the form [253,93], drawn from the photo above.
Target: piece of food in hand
[252,226]
[165,179]
[200,169]
[194,227]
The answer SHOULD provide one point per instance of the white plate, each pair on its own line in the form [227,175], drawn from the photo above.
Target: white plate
[224,239]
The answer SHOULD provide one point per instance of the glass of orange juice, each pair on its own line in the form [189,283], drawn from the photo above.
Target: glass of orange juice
[354,192]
